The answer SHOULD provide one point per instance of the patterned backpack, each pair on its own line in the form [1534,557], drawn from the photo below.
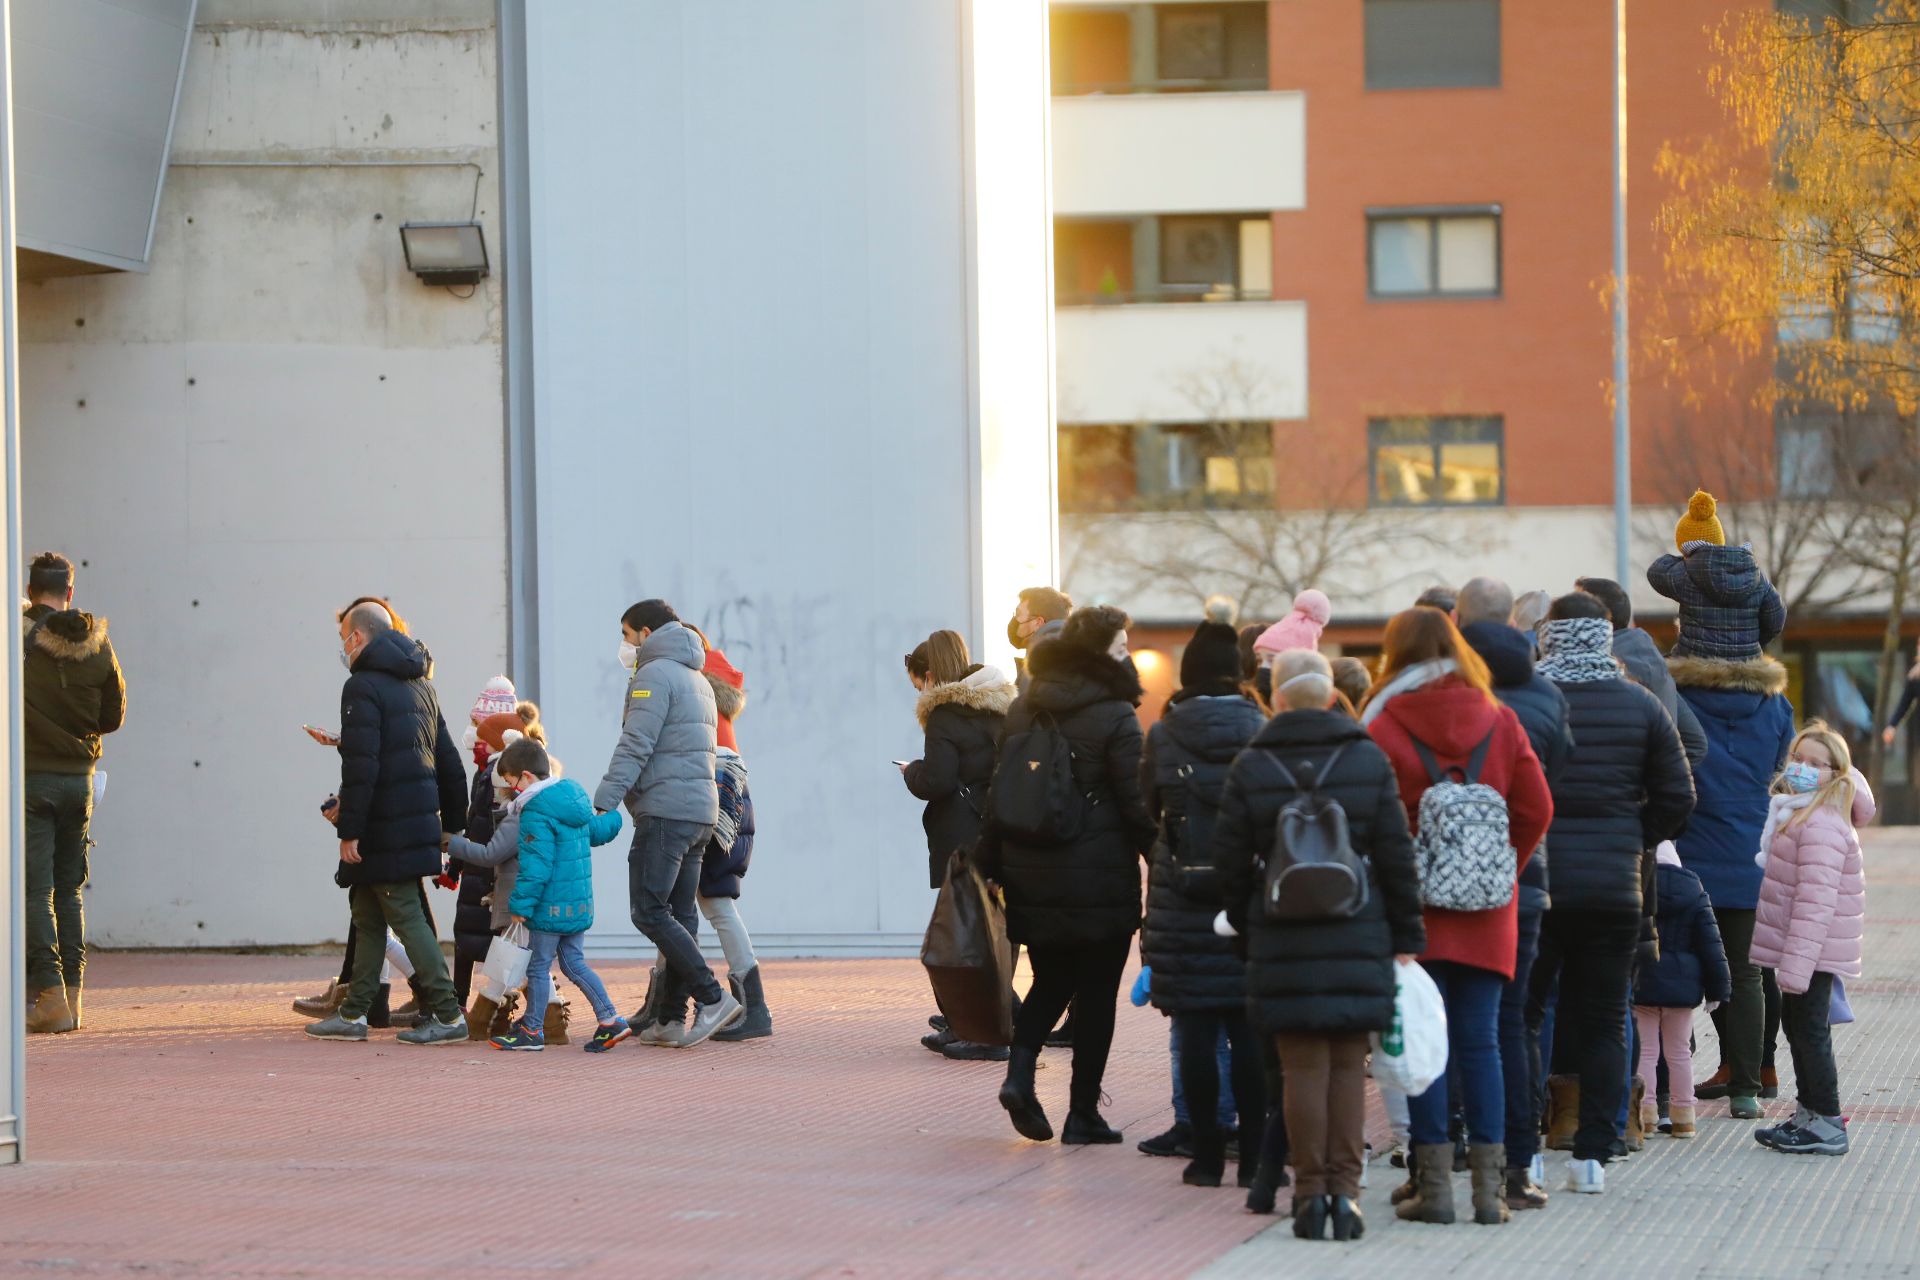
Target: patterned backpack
[1463,848]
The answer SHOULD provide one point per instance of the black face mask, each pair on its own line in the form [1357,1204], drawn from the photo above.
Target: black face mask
[1013,632]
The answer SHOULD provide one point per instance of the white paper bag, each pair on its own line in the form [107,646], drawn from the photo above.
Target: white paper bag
[1412,1054]
[506,964]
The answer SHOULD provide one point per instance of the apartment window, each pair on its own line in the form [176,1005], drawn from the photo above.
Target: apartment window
[1433,44]
[1437,462]
[1822,452]
[1424,253]
[1177,258]
[1165,466]
[1164,48]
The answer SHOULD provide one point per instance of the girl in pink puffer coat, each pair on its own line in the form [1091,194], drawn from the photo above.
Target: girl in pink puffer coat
[1808,928]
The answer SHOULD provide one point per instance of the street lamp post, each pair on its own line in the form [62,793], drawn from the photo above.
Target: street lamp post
[1622,440]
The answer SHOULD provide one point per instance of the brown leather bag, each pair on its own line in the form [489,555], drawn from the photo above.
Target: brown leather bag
[968,959]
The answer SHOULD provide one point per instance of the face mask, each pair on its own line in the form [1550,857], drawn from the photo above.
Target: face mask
[346,659]
[1013,633]
[629,656]
[1800,778]
[471,738]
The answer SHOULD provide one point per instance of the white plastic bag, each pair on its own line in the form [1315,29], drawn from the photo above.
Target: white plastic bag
[1412,1053]
[506,965]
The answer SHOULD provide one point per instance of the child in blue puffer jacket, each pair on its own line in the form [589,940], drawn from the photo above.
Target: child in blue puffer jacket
[553,893]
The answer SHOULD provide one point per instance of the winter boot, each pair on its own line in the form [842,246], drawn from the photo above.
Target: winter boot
[505,1014]
[1636,1135]
[404,1015]
[1209,1163]
[323,1004]
[1563,1111]
[650,1010]
[1408,1189]
[1488,1160]
[480,1018]
[73,1005]
[758,1024]
[1017,1096]
[1086,1127]
[1432,1200]
[1716,1086]
[50,1014]
[1684,1125]
[554,1030]
[1523,1192]
[380,1013]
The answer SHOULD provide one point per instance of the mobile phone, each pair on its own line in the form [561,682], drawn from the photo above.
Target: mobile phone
[901,763]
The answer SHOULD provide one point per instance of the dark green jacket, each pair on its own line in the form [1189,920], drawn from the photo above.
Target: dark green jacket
[73,689]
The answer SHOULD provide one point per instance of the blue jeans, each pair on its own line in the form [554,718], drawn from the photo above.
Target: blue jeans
[573,963]
[1222,1050]
[1472,997]
[1519,1051]
[663,886]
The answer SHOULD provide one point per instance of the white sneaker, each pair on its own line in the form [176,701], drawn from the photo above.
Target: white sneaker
[1586,1177]
[709,1018]
[1537,1169]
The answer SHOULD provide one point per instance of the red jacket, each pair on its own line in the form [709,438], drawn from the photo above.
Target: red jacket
[1451,717]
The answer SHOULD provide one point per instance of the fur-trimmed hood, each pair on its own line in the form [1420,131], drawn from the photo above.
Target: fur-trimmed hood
[69,636]
[727,699]
[1067,677]
[982,689]
[1762,675]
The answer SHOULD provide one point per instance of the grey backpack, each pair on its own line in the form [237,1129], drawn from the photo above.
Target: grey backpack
[1463,848]
[1313,872]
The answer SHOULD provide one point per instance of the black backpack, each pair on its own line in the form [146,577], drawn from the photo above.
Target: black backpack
[1192,809]
[1034,799]
[1313,872]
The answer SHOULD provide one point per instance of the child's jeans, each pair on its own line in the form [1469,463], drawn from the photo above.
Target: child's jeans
[1670,1030]
[1807,1021]
[1228,1109]
[724,915]
[573,962]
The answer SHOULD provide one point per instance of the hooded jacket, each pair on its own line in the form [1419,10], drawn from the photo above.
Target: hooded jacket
[1813,897]
[729,687]
[730,853]
[72,690]
[1087,891]
[1542,711]
[1693,963]
[1451,717]
[1743,708]
[497,858]
[1728,609]
[962,721]
[1332,975]
[558,829]
[663,766]
[402,782]
[1647,667]
[472,918]
[1195,970]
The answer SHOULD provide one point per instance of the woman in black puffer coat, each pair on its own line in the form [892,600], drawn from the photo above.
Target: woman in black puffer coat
[1320,987]
[1197,977]
[1076,905]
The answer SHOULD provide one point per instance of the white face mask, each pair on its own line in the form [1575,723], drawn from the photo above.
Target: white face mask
[470,739]
[629,655]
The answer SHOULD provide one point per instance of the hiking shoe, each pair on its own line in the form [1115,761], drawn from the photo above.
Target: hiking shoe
[434,1031]
[974,1051]
[1767,1135]
[709,1018]
[608,1034]
[336,1027]
[662,1035]
[1820,1136]
[1177,1141]
[1743,1108]
[521,1038]
[1586,1177]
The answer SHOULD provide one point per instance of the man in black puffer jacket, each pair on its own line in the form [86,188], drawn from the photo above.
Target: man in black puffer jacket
[1197,977]
[1626,789]
[401,785]
[1484,607]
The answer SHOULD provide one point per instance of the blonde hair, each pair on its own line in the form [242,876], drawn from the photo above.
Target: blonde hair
[1302,680]
[1838,790]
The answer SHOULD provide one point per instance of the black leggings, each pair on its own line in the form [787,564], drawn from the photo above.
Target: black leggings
[1200,1078]
[346,961]
[1088,978]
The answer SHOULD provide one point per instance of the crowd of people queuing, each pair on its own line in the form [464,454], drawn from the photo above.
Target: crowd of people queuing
[1581,841]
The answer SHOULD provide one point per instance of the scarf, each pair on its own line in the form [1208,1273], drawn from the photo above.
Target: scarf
[1778,808]
[1417,676]
[1577,651]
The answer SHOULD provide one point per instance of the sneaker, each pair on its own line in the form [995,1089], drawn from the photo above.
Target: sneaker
[709,1018]
[1820,1136]
[937,1041]
[664,1035]
[973,1051]
[1177,1141]
[434,1031]
[1743,1108]
[521,1038]
[339,1028]
[607,1035]
[1586,1177]
[1537,1169]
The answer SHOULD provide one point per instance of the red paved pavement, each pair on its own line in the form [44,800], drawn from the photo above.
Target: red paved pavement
[191,1130]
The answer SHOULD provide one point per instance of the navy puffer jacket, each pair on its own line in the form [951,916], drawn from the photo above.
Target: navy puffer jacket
[1693,963]
[1749,725]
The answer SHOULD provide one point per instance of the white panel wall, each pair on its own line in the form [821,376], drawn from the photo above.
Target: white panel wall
[760,259]
[1182,362]
[277,419]
[1179,153]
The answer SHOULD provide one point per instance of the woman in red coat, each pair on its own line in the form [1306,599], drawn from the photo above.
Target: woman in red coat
[1435,692]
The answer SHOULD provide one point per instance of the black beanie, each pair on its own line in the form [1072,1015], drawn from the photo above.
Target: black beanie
[1212,656]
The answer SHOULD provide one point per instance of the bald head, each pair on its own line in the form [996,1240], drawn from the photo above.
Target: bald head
[1302,680]
[1484,600]
[369,620]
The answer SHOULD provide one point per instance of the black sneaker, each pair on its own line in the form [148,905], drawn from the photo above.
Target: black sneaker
[973,1051]
[1177,1141]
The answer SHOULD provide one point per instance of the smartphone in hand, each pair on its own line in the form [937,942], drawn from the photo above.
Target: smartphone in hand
[901,764]
[324,737]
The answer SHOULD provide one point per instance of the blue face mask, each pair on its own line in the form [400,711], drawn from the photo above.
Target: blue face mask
[1800,777]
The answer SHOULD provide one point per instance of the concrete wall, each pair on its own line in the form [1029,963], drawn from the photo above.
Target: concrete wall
[791,349]
[278,418]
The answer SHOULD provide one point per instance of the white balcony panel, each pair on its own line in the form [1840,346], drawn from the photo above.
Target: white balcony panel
[1179,153]
[1182,362]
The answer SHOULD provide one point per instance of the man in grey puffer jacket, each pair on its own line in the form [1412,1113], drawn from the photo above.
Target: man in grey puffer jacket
[663,770]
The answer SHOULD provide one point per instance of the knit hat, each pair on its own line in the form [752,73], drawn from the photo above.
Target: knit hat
[1301,628]
[1212,656]
[1700,524]
[494,729]
[496,698]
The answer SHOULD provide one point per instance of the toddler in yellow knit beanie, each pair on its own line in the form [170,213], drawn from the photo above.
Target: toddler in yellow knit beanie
[1700,524]
[1728,610]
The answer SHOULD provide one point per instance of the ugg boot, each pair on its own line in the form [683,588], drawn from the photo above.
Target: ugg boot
[504,1015]
[1432,1199]
[323,1004]
[50,1014]
[1683,1122]
[1488,1163]
[1636,1136]
[1018,1097]
[480,1018]
[1563,1112]
[558,1015]
[758,1024]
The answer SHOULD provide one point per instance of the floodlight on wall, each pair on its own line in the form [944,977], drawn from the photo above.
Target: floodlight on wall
[445,252]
